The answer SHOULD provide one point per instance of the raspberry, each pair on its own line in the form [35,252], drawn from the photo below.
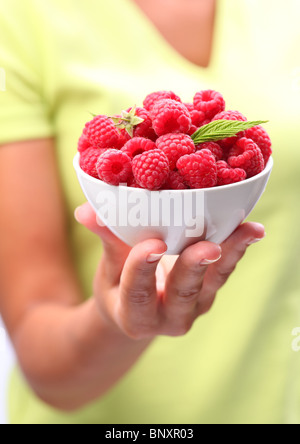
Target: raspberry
[192,130]
[209,102]
[123,134]
[123,137]
[246,154]
[145,128]
[159,95]
[114,167]
[213,147]
[230,115]
[137,145]
[132,183]
[102,133]
[227,143]
[260,136]
[169,116]
[198,117]
[151,169]
[174,146]
[83,143]
[175,182]
[227,175]
[88,160]
[199,170]
[189,106]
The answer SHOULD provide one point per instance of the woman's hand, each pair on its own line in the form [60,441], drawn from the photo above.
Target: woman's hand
[72,350]
[143,296]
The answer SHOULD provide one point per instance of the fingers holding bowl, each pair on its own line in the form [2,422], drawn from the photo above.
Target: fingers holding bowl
[233,249]
[184,285]
[137,311]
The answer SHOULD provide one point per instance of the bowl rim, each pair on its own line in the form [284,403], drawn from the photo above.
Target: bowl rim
[265,172]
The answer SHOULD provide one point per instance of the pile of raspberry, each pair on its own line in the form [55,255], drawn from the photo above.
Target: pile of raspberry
[151,147]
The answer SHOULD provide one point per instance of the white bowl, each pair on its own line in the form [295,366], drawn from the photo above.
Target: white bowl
[178,217]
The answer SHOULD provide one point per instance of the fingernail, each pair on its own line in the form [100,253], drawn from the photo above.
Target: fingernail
[254,241]
[76,213]
[210,261]
[154,258]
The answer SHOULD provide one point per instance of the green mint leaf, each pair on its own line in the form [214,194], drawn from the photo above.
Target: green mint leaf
[220,129]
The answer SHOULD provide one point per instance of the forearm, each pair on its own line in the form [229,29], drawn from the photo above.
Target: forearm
[70,355]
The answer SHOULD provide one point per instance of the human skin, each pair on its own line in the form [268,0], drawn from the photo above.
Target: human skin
[71,351]
[188,26]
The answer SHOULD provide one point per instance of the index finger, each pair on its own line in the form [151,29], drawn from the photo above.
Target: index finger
[138,304]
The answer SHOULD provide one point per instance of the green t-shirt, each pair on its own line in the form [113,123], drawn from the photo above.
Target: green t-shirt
[64,60]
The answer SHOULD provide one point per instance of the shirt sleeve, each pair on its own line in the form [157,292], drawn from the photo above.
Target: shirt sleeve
[24,113]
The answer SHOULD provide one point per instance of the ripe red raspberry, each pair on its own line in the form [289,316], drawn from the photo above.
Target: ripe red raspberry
[132,183]
[260,136]
[145,128]
[102,133]
[175,182]
[246,154]
[114,167]
[227,143]
[83,143]
[169,116]
[213,147]
[198,117]
[174,146]
[230,115]
[123,138]
[199,170]
[227,175]
[137,145]
[88,160]
[151,169]
[189,106]
[209,102]
[123,134]
[192,130]
[159,95]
